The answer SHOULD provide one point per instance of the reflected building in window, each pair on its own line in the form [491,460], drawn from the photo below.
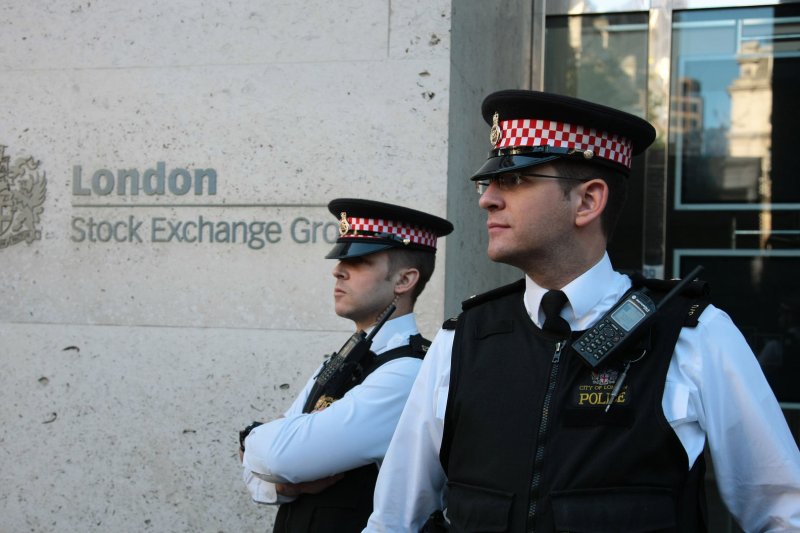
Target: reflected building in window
[599,58]
[747,170]
[686,116]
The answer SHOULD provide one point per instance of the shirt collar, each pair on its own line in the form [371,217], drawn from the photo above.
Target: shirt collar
[394,333]
[589,295]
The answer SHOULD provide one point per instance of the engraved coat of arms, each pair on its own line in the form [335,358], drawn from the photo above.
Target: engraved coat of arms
[22,194]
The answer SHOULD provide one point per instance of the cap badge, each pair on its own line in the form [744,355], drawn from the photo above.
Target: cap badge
[344,226]
[496,133]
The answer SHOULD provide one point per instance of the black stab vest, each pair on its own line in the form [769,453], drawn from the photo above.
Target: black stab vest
[518,459]
[346,505]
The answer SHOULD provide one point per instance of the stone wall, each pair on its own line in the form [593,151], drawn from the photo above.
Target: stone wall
[162,252]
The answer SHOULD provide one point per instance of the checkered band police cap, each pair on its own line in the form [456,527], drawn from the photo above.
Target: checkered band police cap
[368,226]
[530,128]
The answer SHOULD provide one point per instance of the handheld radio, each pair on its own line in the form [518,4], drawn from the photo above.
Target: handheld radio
[624,323]
[336,376]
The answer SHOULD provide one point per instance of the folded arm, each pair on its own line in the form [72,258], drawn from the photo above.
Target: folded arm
[352,432]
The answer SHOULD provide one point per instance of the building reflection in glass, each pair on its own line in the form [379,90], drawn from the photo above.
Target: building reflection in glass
[736,184]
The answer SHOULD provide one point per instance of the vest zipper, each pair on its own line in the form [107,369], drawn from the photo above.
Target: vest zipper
[541,435]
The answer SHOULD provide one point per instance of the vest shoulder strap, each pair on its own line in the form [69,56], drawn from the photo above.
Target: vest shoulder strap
[698,291]
[695,289]
[477,299]
[472,301]
[417,347]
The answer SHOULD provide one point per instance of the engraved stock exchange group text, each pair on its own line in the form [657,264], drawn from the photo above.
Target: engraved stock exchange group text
[156,182]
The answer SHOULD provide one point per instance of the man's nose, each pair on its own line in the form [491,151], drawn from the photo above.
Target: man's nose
[339,271]
[491,198]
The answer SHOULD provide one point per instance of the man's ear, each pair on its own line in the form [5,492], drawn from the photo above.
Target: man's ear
[591,197]
[405,280]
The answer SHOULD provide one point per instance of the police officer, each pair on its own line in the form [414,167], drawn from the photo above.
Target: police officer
[510,430]
[319,461]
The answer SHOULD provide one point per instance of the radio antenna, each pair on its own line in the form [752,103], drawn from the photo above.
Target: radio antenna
[382,318]
[680,286]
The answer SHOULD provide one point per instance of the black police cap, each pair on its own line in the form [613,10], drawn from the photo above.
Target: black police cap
[531,128]
[368,226]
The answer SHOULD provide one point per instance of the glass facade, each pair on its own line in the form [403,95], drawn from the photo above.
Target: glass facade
[602,58]
[734,74]
[720,186]
[735,183]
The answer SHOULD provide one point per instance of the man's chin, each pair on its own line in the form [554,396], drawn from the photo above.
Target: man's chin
[341,309]
[498,255]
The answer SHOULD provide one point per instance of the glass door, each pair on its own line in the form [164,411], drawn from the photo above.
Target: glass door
[733,175]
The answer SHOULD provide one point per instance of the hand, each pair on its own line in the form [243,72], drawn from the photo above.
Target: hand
[241,452]
[293,490]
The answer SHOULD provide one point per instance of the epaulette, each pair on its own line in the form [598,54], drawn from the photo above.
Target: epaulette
[698,290]
[472,301]
[477,299]
[451,323]
[695,310]
[419,345]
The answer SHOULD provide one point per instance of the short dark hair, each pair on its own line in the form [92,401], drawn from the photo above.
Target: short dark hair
[617,188]
[423,261]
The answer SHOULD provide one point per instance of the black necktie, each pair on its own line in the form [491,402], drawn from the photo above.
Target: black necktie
[552,303]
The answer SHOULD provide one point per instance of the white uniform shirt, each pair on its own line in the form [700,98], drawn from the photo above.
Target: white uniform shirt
[714,390]
[352,432]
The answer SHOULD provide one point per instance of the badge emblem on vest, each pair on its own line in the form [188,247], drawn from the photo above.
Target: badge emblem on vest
[604,377]
[324,402]
[22,193]
[595,389]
